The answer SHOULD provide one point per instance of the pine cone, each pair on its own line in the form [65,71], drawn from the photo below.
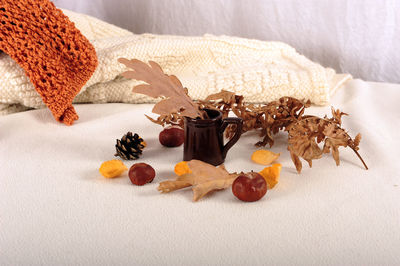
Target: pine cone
[129,147]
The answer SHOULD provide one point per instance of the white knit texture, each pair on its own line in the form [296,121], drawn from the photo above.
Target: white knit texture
[260,71]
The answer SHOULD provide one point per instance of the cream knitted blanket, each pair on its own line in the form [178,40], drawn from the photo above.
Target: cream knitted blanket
[260,71]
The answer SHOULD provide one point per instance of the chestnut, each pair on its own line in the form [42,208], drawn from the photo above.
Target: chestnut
[141,173]
[172,137]
[251,187]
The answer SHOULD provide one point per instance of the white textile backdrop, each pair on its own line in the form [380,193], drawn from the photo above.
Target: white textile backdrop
[360,37]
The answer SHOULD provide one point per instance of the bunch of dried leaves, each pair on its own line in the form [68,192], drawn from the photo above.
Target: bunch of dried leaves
[304,132]
[268,118]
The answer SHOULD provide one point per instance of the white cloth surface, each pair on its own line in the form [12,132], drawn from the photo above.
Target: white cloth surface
[260,71]
[56,209]
[360,37]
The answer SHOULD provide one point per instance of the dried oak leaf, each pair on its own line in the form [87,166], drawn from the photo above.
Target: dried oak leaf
[203,179]
[159,84]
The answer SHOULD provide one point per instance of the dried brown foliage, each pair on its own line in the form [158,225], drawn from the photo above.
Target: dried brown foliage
[305,132]
[308,131]
[174,119]
[268,118]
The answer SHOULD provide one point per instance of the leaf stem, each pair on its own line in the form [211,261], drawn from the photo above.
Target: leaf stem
[359,156]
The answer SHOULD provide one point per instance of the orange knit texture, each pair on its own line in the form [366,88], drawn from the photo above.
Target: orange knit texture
[56,57]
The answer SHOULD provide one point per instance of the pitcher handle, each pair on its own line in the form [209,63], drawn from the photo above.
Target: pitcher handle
[239,125]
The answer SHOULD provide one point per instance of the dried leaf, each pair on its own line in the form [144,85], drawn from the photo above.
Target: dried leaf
[337,115]
[203,179]
[160,84]
[173,119]
[264,157]
[224,96]
[296,160]
[307,132]
[169,186]
[357,140]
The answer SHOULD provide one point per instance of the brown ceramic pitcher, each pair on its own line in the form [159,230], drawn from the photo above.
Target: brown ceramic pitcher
[204,138]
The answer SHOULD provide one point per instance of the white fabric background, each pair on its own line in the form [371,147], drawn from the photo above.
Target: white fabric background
[56,209]
[360,37]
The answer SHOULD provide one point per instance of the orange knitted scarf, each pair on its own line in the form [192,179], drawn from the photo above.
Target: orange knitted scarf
[56,57]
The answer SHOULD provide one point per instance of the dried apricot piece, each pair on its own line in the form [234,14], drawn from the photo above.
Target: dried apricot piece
[112,168]
[271,174]
[264,157]
[182,168]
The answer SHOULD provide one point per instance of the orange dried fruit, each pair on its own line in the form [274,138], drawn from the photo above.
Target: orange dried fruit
[264,157]
[112,168]
[182,168]
[271,174]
